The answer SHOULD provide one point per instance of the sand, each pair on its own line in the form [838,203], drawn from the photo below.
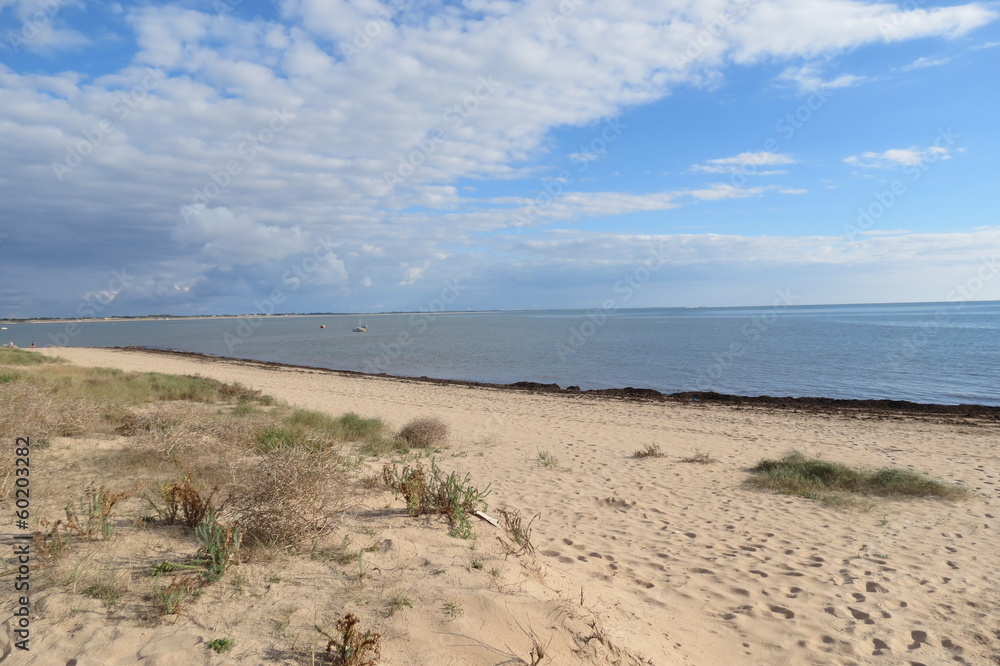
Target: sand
[652,560]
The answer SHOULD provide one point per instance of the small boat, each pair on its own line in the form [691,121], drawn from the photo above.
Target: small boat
[361,328]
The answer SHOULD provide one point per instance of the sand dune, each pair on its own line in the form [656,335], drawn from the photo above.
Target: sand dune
[649,560]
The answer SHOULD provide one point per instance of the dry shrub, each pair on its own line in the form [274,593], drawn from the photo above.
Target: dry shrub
[288,497]
[352,648]
[182,500]
[31,407]
[649,451]
[517,531]
[239,432]
[424,433]
[131,424]
[700,457]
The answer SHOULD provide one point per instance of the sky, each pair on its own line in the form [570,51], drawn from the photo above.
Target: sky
[237,156]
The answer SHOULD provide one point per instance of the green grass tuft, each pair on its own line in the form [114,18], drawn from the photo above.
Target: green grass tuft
[13,356]
[275,438]
[796,474]
[221,645]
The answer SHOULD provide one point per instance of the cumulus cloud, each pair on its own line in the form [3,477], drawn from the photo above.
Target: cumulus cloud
[922,62]
[745,163]
[808,79]
[899,157]
[227,146]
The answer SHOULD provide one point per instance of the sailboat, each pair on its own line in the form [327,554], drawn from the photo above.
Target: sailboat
[361,328]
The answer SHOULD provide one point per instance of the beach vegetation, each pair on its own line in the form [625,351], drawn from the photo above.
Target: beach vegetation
[397,603]
[220,546]
[196,481]
[424,433]
[546,459]
[797,474]
[347,427]
[351,647]
[109,592]
[699,457]
[649,451]
[273,437]
[183,502]
[15,356]
[517,531]
[169,599]
[452,496]
[220,645]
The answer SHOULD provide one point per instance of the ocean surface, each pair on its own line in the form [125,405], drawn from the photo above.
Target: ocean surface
[947,353]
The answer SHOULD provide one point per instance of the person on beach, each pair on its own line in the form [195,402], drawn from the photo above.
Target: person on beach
[11,344]
[32,344]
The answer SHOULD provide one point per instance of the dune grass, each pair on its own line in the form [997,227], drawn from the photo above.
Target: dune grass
[14,356]
[347,427]
[223,475]
[797,474]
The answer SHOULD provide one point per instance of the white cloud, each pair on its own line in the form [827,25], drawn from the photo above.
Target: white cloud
[897,157]
[39,27]
[745,163]
[808,79]
[440,98]
[724,191]
[811,27]
[922,62]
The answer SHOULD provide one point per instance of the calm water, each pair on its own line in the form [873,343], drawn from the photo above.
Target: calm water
[930,352]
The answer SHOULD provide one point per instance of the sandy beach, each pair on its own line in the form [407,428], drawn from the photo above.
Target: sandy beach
[638,561]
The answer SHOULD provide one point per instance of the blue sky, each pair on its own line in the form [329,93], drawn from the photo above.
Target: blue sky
[222,156]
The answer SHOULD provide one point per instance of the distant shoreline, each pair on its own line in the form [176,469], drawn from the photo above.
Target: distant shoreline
[100,320]
[259,315]
[871,407]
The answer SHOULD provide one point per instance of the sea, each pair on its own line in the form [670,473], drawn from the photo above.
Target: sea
[943,353]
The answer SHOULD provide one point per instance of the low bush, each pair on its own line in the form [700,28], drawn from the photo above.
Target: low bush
[424,433]
[796,474]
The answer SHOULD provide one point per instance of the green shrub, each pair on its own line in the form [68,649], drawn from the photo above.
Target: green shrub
[795,474]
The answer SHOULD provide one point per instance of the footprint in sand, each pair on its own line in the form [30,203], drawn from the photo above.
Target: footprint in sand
[919,638]
[782,611]
[881,647]
[861,615]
